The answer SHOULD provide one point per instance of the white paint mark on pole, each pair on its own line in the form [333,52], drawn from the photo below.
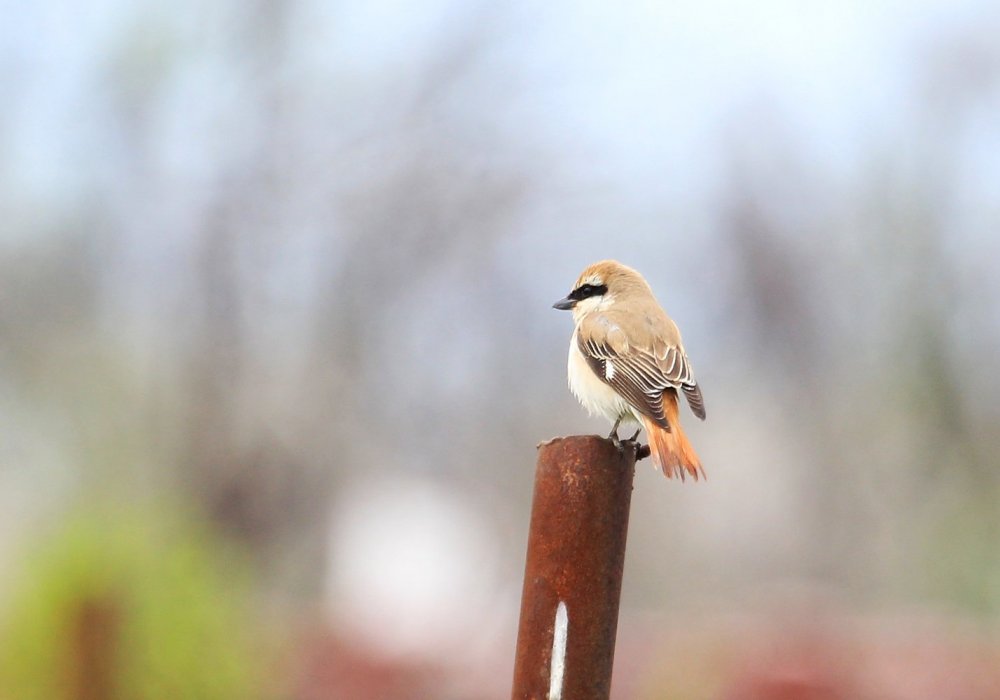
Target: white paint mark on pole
[558,665]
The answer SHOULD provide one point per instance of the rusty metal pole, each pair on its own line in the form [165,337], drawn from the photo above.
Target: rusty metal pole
[573,572]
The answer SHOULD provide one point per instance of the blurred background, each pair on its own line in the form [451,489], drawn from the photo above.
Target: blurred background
[276,344]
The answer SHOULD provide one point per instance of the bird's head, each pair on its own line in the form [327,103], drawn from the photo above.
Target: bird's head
[601,285]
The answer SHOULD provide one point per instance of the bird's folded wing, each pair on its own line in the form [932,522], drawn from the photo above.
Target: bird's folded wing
[640,372]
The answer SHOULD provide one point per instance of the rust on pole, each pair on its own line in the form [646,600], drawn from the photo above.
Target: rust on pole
[573,570]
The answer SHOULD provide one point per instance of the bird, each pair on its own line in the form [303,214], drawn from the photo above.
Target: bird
[628,364]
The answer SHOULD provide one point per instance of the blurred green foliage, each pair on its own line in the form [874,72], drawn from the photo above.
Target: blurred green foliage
[960,566]
[168,598]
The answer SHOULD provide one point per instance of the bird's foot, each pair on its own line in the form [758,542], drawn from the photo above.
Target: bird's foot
[613,437]
[641,451]
[632,442]
[616,441]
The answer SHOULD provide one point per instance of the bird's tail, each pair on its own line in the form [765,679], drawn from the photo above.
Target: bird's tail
[671,450]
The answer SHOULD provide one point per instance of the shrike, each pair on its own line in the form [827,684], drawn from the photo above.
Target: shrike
[627,362]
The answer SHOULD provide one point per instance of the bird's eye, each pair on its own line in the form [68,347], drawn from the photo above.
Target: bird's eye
[585,291]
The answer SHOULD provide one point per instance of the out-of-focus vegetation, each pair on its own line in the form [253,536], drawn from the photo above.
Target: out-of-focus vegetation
[132,603]
[289,265]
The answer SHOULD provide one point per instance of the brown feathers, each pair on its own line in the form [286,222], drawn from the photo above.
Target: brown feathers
[697,404]
[631,355]
[671,450]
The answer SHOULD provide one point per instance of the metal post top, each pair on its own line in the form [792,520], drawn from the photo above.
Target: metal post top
[573,569]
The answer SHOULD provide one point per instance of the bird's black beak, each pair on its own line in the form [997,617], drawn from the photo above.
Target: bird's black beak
[564,304]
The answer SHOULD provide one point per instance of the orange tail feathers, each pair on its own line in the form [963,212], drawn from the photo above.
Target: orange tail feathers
[671,450]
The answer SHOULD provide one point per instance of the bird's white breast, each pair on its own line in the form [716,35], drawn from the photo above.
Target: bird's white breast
[595,396]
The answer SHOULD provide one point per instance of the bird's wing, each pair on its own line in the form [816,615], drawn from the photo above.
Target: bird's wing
[639,371]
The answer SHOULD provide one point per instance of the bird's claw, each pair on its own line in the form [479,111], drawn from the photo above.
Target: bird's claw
[641,451]
[613,437]
[633,441]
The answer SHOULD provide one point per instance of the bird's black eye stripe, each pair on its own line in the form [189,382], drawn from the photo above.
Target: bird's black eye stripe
[585,291]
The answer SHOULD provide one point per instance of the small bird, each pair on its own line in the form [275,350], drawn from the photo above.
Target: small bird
[627,362]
